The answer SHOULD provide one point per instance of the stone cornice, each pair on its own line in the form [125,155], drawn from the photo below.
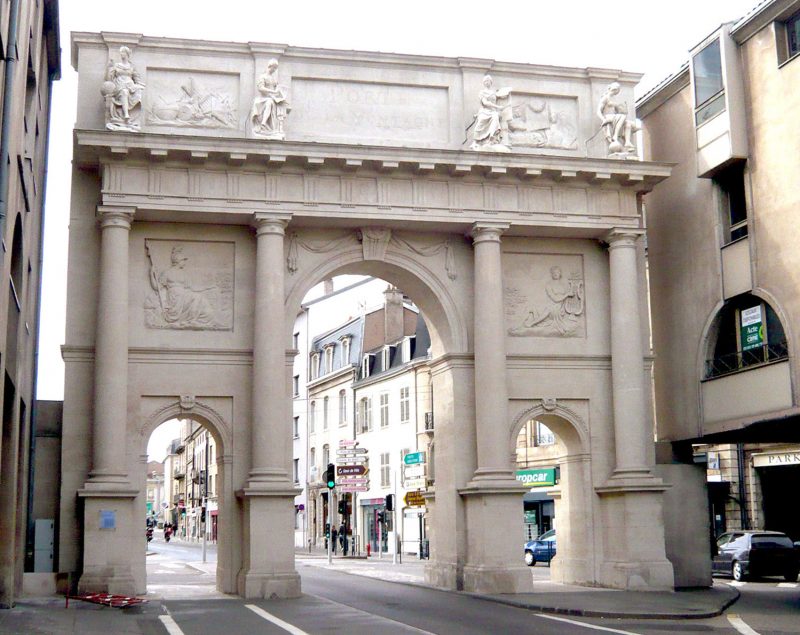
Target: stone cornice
[761,16]
[287,52]
[93,147]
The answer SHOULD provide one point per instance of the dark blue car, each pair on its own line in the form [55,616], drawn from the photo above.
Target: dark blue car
[542,549]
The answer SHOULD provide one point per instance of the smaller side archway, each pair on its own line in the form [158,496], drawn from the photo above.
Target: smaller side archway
[575,530]
[187,408]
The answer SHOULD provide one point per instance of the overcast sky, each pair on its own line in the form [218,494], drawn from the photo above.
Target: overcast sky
[636,35]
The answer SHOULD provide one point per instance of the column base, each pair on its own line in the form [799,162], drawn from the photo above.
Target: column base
[510,579]
[271,586]
[268,569]
[117,580]
[638,576]
[445,575]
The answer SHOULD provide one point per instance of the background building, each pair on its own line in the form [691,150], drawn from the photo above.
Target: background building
[723,265]
[31,62]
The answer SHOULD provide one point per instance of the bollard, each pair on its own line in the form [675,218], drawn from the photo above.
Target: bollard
[368,546]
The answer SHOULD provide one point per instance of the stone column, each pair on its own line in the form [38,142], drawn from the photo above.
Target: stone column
[491,393]
[268,500]
[270,429]
[111,523]
[109,462]
[632,430]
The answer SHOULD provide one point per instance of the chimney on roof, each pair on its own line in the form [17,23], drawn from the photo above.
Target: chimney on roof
[392,315]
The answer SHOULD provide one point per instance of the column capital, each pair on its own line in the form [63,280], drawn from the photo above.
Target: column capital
[115,216]
[266,223]
[488,232]
[623,237]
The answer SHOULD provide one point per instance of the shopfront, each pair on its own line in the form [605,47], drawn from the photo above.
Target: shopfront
[779,476]
[538,507]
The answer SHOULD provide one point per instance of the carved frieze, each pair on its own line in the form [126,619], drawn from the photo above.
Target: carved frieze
[200,100]
[544,122]
[190,285]
[545,295]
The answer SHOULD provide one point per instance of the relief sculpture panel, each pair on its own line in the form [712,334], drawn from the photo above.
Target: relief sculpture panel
[190,285]
[545,295]
[193,100]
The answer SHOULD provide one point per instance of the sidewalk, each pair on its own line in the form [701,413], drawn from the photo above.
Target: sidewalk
[552,597]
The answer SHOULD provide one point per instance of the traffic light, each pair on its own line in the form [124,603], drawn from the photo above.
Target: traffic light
[327,530]
[342,507]
[330,475]
[381,517]
[390,502]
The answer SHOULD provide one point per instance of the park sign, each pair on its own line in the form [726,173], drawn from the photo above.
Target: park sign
[538,477]
[752,330]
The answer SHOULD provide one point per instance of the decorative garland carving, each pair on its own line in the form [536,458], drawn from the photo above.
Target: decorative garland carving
[322,248]
[432,250]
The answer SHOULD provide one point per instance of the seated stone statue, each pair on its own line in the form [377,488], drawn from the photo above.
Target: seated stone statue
[618,127]
[122,90]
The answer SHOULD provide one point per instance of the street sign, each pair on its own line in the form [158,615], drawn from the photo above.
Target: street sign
[353,481]
[347,443]
[415,483]
[414,499]
[351,451]
[354,470]
[354,488]
[414,458]
[411,471]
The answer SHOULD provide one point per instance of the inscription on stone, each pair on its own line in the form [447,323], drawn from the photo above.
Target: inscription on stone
[190,285]
[380,113]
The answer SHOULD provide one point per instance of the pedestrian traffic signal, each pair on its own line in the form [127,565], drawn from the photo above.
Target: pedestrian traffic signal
[330,475]
[390,502]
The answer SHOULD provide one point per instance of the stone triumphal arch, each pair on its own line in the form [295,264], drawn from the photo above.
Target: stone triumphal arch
[215,183]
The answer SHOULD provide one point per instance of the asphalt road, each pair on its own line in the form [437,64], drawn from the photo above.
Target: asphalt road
[336,602]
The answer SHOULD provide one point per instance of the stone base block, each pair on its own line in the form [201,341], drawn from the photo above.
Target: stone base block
[271,586]
[637,576]
[445,575]
[38,584]
[115,580]
[512,579]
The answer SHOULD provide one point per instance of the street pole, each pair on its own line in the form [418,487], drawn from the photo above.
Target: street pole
[204,508]
[330,526]
[394,518]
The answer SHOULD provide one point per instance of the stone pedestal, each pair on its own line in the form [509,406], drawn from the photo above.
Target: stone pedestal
[111,531]
[268,568]
[494,559]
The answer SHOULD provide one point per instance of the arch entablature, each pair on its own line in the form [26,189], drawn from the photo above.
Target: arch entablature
[427,289]
[189,408]
[567,424]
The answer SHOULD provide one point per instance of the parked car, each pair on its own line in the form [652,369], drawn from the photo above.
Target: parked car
[756,553]
[542,549]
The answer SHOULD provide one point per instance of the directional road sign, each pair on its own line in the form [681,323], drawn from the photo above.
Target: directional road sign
[354,488]
[353,481]
[351,470]
[411,471]
[415,483]
[346,443]
[414,458]
[414,499]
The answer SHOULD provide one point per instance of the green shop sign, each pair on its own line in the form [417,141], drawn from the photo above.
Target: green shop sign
[539,477]
[752,331]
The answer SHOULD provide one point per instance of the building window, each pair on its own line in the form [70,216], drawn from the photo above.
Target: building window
[313,371]
[793,34]
[733,201]
[326,455]
[367,365]
[312,462]
[747,333]
[385,470]
[296,385]
[365,414]
[709,96]
[345,351]
[296,341]
[329,358]
[342,407]
[384,401]
[325,413]
[296,470]
[312,407]
[532,435]
[296,427]
[405,404]
[544,436]
[388,357]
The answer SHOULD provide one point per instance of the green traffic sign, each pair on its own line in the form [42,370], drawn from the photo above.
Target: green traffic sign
[414,458]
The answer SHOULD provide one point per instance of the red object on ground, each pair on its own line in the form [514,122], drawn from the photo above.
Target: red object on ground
[367,550]
[106,599]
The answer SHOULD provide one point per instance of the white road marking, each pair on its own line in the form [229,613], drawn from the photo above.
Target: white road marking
[787,585]
[170,624]
[592,626]
[735,583]
[373,615]
[739,624]
[278,622]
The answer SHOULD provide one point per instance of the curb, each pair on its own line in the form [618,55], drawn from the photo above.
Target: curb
[555,610]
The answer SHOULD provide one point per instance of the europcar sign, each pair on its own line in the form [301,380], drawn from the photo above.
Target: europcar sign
[539,477]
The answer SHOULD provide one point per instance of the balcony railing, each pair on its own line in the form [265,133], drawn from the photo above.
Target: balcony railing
[734,362]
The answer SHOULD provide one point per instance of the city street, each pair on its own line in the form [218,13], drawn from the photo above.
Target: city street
[375,596]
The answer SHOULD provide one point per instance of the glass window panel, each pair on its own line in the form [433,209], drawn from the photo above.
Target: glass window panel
[707,73]
[793,34]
